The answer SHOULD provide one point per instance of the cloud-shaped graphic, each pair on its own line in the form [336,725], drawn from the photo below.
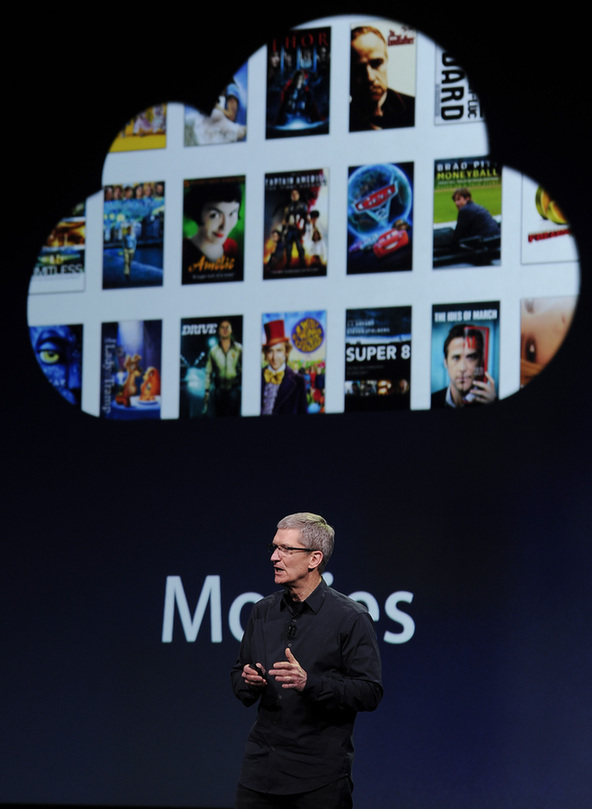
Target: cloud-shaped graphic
[301,194]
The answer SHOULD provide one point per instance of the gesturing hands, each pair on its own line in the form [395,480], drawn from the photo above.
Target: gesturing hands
[289,672]
[254,675]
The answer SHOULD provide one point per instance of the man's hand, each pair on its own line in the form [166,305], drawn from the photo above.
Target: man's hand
[484,392]
[252,678]
[289,672]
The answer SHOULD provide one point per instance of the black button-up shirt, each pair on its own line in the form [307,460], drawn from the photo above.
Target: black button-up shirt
[303,740]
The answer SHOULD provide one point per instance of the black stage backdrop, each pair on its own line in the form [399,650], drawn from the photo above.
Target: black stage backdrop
[484,518]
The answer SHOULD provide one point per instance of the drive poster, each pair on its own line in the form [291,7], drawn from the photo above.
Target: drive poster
[211,366]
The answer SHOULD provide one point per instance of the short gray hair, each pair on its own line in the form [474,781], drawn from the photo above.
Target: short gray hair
[315,532]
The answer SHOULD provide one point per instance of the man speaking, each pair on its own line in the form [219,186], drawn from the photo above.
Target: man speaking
[309,657]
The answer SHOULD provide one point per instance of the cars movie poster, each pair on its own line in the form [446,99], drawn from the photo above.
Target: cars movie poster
[380,218]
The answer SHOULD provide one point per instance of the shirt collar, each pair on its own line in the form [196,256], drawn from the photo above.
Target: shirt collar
[449,399]
[314,601]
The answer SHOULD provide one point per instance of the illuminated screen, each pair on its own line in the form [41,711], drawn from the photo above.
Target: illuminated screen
[353,207]
[264,238]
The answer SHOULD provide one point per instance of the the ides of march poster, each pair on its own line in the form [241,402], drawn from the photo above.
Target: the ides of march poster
[59,267]
[133,234]
[544,323]
[227,122]
[377,359]
[293,363]
[213,230]
[211,366]
[146,131]
[382,76]
[58,350]
[467,212]
[546,234]
[131,369]
[298,83]
[465,354]
[456,101]
[295,224]
[380,218]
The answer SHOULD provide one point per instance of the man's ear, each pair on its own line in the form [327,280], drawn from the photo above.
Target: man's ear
[315,559]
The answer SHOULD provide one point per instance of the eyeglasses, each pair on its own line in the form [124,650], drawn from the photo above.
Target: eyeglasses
[286,550]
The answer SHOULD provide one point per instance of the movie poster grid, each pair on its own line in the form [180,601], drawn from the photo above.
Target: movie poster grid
[377,359]
[298,83]
[382,76]
[465,354]
[60,264]
[544,323]
[380,218]
[146,131]
[227,122]
[133,234]
[295,224]
[467,212]
[466,233]
[293,363]
[58,350]
[211,367]
[213,230]
[546,234]
[456,101]
[131,370]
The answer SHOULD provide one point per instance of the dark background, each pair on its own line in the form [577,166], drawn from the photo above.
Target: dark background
[483,516]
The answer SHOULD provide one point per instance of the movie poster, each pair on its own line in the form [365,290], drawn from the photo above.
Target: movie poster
[58,350]
[296,224]
[467,212]
[377,359]
[544,323]
[382,76]
[131,370]
[293,363]
[213,230]
[456,101]
[227,122]
[133,235]
[60,264]
[146,131]
[465,354]
[298,83]
[546,234]
[211,366]
[380,218]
